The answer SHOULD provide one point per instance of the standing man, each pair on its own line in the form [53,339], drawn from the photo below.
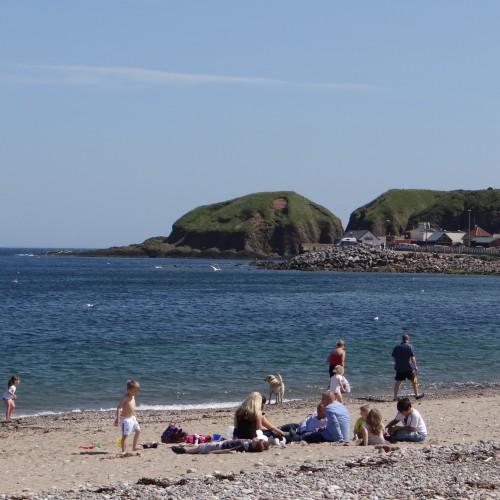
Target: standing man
[405,365]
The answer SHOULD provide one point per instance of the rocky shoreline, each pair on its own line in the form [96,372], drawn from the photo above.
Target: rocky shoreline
[373,259]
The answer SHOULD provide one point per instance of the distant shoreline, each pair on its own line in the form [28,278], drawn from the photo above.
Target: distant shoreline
[333,259]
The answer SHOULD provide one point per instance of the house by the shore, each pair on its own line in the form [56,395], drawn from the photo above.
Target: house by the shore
[364,236]
[446,238]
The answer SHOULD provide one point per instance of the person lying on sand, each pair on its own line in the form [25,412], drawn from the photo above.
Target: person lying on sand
[228,446]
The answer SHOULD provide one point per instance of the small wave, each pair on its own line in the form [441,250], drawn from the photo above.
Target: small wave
[185,407]
[149,407]
[41,414]
[196,406]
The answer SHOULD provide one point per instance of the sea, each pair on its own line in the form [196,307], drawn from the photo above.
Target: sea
[76,329]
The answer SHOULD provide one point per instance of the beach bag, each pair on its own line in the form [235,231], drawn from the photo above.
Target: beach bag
[347,385]
[173,434]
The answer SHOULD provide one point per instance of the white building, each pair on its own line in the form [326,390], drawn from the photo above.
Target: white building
[422,232]
[364,236]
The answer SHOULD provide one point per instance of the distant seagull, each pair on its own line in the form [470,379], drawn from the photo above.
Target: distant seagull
[375,318]
[215,268]
[14,281]
[90,305]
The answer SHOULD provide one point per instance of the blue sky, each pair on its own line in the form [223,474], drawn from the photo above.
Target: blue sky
[119,116]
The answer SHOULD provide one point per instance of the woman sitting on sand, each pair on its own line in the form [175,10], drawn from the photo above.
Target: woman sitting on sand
[249,418]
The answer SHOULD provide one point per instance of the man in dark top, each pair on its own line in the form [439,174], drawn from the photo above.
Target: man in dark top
[405,364]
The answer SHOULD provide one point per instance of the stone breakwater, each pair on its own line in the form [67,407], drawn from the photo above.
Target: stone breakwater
[373,259]
[413,472]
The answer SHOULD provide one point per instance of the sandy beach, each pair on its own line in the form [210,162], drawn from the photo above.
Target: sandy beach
[43,453]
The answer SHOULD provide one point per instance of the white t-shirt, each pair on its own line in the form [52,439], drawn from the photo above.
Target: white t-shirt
[335,383]
[7,394]
[414,419]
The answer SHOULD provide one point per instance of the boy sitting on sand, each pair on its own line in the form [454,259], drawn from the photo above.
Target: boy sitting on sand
[228,446]
[127,419]
[413,426]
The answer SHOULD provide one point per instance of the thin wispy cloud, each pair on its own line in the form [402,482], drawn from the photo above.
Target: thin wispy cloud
[75,75]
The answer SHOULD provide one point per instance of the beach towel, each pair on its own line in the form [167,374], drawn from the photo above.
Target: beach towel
[192,438]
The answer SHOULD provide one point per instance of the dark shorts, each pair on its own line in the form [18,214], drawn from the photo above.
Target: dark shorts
[400,376]
[331,370]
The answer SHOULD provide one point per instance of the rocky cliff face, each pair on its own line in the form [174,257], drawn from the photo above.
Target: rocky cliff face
[270,224]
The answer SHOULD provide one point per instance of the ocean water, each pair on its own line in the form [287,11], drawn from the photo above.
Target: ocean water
[76,329]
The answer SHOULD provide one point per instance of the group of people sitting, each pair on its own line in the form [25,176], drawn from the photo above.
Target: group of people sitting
[329,423]
[407,425]
[253,430]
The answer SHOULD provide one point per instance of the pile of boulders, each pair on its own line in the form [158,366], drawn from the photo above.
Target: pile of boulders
[373,259]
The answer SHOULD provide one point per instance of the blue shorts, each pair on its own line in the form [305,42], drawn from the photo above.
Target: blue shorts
[403,435]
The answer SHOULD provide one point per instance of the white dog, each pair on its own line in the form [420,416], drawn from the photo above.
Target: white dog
[276,387]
